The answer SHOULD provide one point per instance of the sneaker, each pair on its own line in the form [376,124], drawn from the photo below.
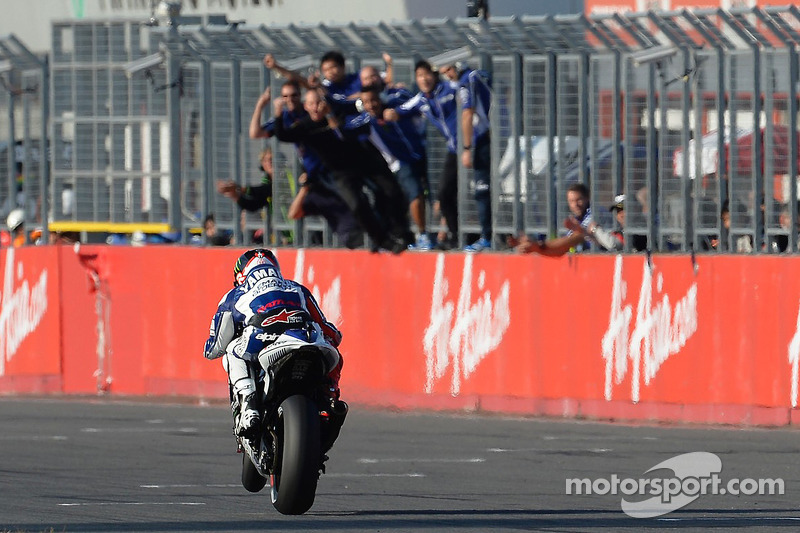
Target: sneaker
[423,243]
[249,417]
[479,245]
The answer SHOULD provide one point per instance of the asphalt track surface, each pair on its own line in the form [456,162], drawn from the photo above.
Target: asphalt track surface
[108,466]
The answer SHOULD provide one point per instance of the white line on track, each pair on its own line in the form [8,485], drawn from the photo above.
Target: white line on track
[420,460]
[139,430]
[33,437]
[92,504]
[515,450]
[183,486]
[732,519]
[185,421]
[588,437]
[237,485]
[344,474]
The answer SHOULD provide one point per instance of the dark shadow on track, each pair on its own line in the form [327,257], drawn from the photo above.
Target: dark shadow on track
[475,520]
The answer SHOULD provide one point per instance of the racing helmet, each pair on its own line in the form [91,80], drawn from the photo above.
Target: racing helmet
[251,259]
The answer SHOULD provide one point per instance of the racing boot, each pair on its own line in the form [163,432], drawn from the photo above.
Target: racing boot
[249,417]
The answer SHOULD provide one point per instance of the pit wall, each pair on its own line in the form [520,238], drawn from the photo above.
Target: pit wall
[716,340]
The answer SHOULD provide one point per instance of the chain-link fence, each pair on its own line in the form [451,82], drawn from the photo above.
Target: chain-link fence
[691,115]
[24,171]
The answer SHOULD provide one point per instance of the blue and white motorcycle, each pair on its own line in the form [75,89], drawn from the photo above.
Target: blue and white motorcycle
[299,419]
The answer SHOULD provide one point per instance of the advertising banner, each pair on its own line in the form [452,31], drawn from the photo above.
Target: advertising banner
[667,337]
[30,334]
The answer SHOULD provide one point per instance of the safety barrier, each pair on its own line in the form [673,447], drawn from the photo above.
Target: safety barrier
[714,339]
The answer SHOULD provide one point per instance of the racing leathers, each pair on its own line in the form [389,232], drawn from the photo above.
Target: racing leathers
[251,316]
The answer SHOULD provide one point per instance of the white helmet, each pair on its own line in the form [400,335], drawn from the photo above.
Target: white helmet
[15,218]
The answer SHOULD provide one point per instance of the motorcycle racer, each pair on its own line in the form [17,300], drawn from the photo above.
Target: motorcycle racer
[261,305]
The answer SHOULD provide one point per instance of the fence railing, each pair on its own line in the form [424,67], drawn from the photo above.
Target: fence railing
[24,172]
[687,113]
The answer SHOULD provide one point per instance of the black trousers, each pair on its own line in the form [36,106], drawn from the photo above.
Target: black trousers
[389,202]
[349,186]
[448,193]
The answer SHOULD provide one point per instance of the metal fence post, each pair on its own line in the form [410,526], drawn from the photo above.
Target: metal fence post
[174,113]
[659,191]
[723,174]
[45,159]
[206,175]
[690,206]
[516,131]
[236,126]
[652,160]
[552,137]
[10,149]
[616,130]
[793,151]
[584,133]
[758,156]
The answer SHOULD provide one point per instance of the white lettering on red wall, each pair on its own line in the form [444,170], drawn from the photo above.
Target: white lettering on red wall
[794,359]
[23,307]
[330,301]
[659,330]
[461,334]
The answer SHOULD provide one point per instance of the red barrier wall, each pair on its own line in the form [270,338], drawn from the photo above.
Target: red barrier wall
[586,336]
[30,355]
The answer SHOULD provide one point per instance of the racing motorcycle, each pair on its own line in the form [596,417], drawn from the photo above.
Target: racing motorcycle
[299,419]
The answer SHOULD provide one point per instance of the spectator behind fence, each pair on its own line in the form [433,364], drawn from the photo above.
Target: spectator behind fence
[19,199]
[251,197]
[613,240]
[337,82]
[316,194]
[391,94]
[403,148]
[64,237]
[16,227]
[475,95]
[436,100]
[351,167]
[370,77]
[720,242]
[578,201]
[316,199]
[743,243]
[214,236]
[780,243]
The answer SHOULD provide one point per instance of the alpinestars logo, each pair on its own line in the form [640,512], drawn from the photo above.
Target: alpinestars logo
[289,317]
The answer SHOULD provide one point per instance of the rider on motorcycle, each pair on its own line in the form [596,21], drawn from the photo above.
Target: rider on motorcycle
[261,294]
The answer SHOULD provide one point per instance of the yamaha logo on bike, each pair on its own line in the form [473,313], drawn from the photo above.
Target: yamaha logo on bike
[289,317]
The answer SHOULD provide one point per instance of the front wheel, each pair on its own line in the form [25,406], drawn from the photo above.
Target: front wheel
[294,488]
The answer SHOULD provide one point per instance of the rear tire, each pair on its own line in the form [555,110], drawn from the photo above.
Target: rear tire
[295,488]
[251,479]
